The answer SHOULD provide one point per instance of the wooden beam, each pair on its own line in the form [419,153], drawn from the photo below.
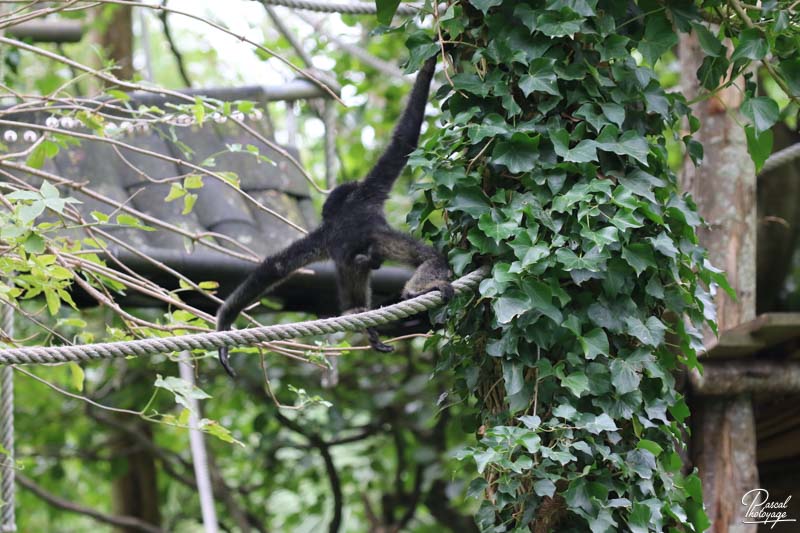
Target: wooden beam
[725,378]
[50,31]
[763,332]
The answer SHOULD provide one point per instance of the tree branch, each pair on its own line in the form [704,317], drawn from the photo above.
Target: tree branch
[67,505]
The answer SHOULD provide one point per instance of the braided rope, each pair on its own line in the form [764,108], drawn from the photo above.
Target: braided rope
[7,518]
[350,8]
[781,157]
[248,337]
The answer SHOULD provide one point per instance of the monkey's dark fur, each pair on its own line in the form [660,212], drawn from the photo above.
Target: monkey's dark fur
[355,235]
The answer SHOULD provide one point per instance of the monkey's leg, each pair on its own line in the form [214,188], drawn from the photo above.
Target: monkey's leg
[273,270]
[432,271]
[355,295]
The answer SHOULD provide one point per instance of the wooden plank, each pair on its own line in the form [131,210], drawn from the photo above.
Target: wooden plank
[763,332]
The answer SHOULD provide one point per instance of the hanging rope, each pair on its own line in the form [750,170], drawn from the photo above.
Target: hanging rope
[7,517]
[242,337]
[781,157]
[349,8]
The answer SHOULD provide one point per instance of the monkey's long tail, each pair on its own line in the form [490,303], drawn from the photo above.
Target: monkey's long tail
[268,275]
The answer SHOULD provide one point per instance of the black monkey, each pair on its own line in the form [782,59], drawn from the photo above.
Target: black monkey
[355,235]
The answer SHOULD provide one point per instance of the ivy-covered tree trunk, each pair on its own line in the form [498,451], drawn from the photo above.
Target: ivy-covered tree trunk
[552,167]
[724,187]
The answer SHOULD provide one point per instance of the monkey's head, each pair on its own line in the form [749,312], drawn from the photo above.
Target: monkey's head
[337,199]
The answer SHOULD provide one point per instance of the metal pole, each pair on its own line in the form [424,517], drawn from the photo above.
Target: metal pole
[199,457]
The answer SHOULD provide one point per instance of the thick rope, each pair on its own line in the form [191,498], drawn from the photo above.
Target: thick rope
[242,337]
[781,157]
[349,8]
[7,517]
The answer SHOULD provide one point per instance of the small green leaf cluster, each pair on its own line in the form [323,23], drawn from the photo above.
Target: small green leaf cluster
[552,167]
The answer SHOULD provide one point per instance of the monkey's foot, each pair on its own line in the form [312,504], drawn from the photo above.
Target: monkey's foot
[375,342]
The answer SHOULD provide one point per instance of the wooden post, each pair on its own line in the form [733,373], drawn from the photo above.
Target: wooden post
[724,440]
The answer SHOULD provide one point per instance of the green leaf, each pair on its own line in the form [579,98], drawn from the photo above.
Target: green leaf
[471,201]
[577,383]
[759,146]
[34,244]
[485,5]
[712,70]
[199,110]
[519,154]
[188,203]
[709,42]
[762,111]
[624,376]
[544,487]
[640,257]
[541,77]
[386,10]
[76,376]
[651,446]
[659,37]
[175,192]
[629,143]
[181,389]
[790,71]
[597,424]
[513,377]
[594,343]
[751,46]
[511,305]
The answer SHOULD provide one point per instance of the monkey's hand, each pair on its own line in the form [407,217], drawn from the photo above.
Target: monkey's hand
[369,259]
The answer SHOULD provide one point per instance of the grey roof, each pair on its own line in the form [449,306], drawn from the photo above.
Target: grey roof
[281,187]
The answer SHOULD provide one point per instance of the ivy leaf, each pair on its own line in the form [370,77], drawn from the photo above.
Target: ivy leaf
[790,70]
[762,111]
[664,245]
[651,446]
[639,256]
[485,5]
[511,305]
[751,46]
[624,376]
[577,383]
[386,10]
[519,154]
[513,377]
[629,143]
[709,42]
[759,146]
[594,343]
[471,201]
[493,125]
[614,112]
[712,70]
[541,77]
[544,487]
[659,37]
[650,333]
[597,424]
[564,23]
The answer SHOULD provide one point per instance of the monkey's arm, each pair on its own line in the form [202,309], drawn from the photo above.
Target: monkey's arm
[380,179]
[273,270]
[432,271]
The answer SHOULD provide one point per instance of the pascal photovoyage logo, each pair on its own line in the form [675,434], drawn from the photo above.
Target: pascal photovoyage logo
[760,510]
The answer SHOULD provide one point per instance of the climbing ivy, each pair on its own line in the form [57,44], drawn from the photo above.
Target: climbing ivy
[551,166]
